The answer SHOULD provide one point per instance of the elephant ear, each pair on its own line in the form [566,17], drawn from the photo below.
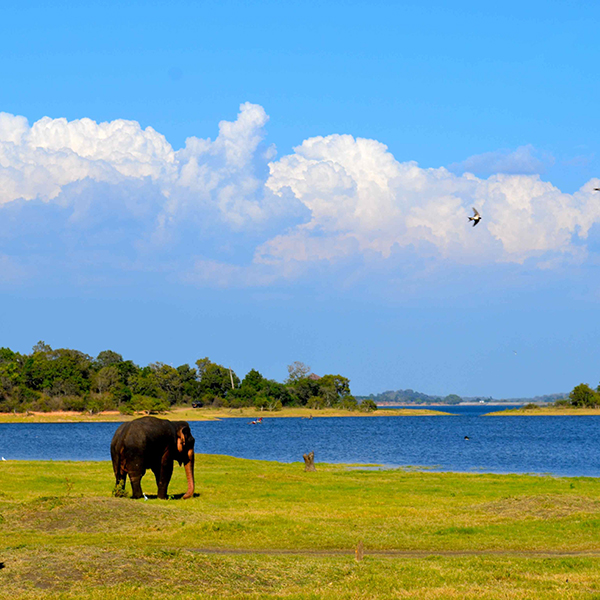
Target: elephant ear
[185,439]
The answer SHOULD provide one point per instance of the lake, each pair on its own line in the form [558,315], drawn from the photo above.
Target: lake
[550,445]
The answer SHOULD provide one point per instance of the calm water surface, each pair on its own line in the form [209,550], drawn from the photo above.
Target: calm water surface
[554,445]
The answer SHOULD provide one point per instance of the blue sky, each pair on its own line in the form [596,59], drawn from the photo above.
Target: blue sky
[263,182]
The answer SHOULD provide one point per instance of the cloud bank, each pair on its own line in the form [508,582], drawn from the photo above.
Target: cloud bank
[228,212]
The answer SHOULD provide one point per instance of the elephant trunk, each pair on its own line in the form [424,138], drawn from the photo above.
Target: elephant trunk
[189,473]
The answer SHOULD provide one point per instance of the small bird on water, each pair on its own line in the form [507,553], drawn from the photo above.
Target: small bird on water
[475,218]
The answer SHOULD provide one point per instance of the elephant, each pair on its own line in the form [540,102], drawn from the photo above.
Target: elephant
[152,443]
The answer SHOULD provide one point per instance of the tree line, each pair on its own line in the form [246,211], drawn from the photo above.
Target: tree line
[410,397]
[64,379]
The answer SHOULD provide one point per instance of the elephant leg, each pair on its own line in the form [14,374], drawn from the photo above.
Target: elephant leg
[136,485]
[156,472]
[166,471]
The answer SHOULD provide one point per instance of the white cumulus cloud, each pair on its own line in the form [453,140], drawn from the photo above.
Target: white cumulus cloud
[362,200]
[218,178]
[226,210]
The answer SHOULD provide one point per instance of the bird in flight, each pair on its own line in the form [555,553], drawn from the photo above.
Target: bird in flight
[597,189]
[475,218]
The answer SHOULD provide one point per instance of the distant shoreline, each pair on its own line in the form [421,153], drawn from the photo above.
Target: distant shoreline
[210,414]
[545,411]
[494,403]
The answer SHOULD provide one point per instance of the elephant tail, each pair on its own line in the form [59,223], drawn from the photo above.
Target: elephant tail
[119,463]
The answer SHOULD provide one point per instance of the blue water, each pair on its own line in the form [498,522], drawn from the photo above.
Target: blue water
[553,445]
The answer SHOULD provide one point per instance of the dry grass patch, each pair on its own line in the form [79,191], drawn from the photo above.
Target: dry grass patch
[113,574]
[541,507]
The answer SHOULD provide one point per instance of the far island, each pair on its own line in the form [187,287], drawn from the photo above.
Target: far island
[583,400]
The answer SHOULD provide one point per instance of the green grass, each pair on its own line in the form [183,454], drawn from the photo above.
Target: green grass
[269,530]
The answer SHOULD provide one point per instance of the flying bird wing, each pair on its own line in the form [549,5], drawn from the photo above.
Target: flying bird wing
[475,212]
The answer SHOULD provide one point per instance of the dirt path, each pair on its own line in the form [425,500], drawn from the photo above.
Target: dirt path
[401,553]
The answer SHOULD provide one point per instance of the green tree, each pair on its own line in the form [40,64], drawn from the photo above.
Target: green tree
[253,381]
[121,395]
[168,381]
[190,386]
[583,395]
[107,358]
[341,385]
[216,380]
[127,369]
[452,399]
[201,365]
[277,391]
[10,372]
[58,372]
[303,389]
[144,383]
[106,379]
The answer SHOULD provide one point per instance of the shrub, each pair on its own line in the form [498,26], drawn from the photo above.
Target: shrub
[43,404]
[367,405]
[148,404]
[348,403]
[100,402]
[119,491]
[261,402]
[218,402]
[315,402]
[75,403]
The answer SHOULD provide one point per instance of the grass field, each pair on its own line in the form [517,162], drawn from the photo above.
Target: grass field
[268,530]
[211,414]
